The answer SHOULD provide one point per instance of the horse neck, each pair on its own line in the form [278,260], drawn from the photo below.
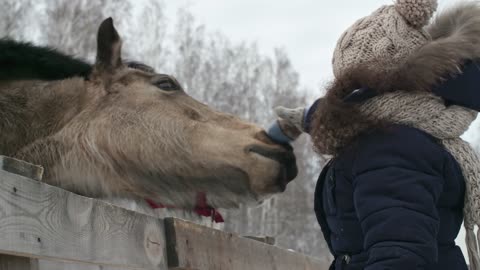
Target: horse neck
[31,110]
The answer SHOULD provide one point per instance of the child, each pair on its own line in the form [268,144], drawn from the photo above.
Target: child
[401,180]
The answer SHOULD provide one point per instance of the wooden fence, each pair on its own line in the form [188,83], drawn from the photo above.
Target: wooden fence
[43,227]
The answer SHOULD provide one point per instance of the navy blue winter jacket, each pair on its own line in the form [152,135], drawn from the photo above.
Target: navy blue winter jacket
[394,198]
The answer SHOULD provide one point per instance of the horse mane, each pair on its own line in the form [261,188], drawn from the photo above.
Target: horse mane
[25,61]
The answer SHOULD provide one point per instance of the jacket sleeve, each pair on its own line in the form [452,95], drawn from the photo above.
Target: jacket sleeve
[398,178]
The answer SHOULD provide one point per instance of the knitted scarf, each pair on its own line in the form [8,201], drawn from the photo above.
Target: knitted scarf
[446,123]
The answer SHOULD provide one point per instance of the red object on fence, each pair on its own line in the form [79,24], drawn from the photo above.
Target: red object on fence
[201,207]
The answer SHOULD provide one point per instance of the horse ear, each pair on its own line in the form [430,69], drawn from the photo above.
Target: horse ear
[109,47]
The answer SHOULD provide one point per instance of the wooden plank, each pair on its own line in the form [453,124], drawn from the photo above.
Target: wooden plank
[191,246]
[56,265]
[21,167]
[263,239]
[8,262]
[42,221]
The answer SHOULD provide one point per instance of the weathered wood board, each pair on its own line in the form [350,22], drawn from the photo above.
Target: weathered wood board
[47,228]
[191,246]
[42,221]
[57,265]
[8,262]
[21,167]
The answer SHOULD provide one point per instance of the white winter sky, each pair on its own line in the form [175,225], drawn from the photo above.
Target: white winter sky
[307,29]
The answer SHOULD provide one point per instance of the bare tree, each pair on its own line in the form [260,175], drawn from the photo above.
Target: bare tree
[14,17]
[144,31]
[80,19]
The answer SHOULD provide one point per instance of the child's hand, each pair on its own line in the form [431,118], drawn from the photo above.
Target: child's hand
[289,126]
[290,130]
[292,122]
[292,118]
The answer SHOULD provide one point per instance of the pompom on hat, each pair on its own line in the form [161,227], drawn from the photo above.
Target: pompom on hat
[416,12]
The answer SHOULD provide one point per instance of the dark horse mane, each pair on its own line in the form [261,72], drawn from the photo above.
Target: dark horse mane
[25,61]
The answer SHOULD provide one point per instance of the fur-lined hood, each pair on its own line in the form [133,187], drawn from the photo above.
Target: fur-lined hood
[455,40]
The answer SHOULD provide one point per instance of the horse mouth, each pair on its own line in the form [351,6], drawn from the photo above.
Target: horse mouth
[285,157]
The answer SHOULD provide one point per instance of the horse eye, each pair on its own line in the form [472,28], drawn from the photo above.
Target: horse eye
[167,84]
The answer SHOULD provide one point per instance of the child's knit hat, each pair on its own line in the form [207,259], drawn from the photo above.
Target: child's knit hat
[386,37]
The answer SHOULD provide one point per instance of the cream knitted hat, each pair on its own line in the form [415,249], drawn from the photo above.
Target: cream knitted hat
[385,37]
